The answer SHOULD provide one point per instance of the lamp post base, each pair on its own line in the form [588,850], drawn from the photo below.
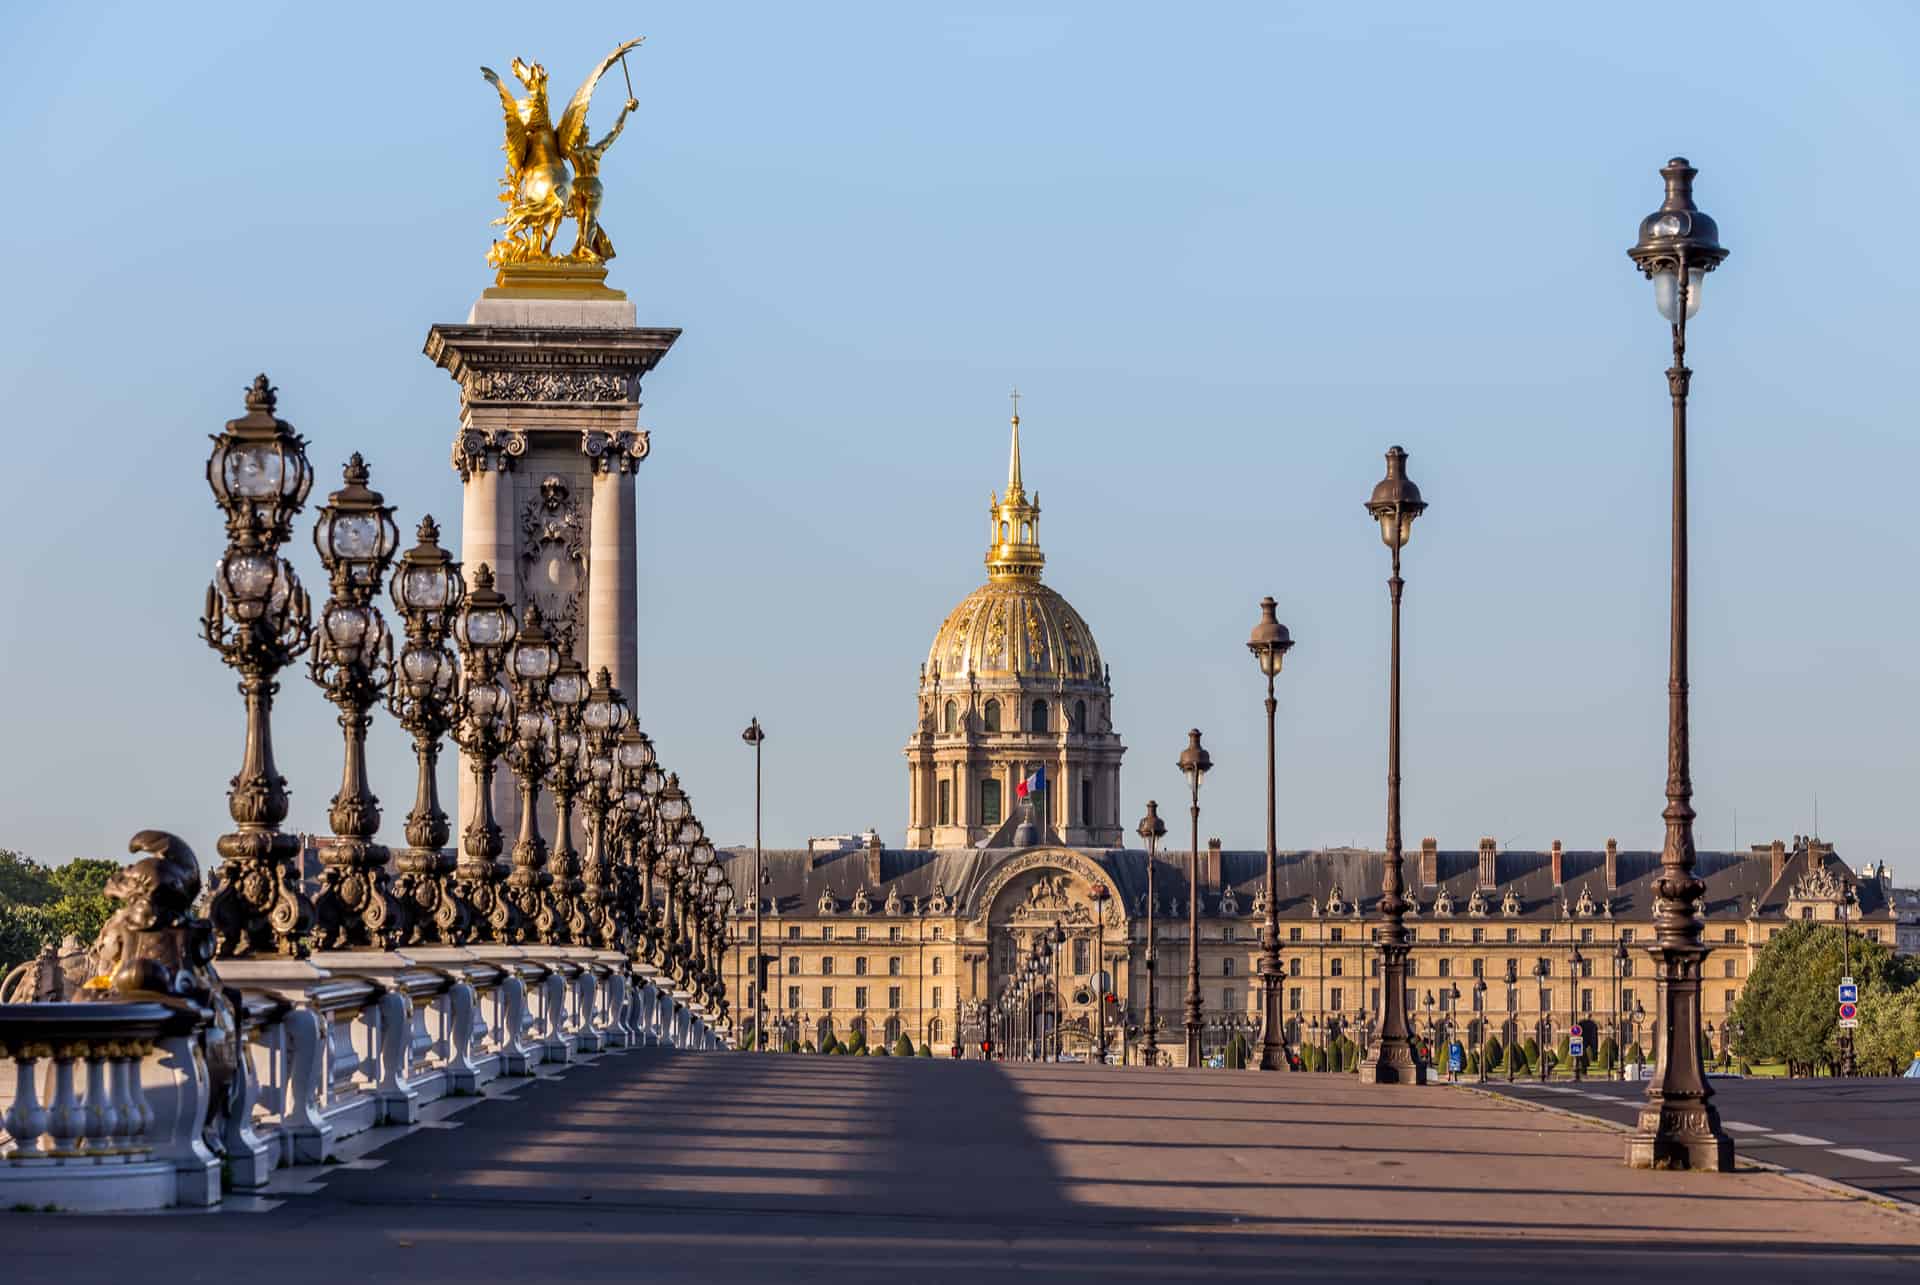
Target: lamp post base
[1392,1062]
[1680,1137]
[1273,1044]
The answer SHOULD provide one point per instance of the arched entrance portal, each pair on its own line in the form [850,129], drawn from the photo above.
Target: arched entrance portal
[1047,897]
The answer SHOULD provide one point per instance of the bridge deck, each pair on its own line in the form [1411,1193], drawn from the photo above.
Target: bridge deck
[725,1167]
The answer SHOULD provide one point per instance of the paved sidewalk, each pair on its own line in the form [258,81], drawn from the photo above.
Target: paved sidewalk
[729,1167]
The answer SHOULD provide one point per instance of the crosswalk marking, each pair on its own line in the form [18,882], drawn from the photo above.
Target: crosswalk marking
[1871,1157]
[1740,1127]
[1799,1140]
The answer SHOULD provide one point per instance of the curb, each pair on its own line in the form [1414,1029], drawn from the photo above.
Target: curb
[1742,1164]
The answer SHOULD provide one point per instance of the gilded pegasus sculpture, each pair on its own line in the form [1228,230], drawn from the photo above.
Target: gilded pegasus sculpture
[539,190]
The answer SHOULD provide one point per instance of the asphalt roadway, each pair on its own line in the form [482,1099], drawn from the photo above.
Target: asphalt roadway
[1864,1132]
[724,1167]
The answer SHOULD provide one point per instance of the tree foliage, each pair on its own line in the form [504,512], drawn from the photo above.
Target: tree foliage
[1788,1010]
[1889,1034]
[42,905]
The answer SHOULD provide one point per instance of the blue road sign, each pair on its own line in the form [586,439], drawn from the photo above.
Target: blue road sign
[1456,1058]
[1849,993]
[1576,1046]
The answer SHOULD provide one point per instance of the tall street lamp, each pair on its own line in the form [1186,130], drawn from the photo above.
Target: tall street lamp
[1575,962]
[532,663]
[567,693]
[1152,830]
[1270,642]
[424,699]
[754,737]
[1679,1127]
[1194,763]
[1394,504]
[1846,965]
[352,662]
[1619,1033]
[1100,978]
[259,619]
[606,719]
[1513,979]
[483,727]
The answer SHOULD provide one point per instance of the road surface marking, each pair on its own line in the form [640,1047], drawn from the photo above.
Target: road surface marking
[1739,1127]
[1871,1157]
[1800,1140]
[1912,1168]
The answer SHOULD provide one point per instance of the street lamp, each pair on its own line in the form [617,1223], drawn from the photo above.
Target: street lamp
[1152,830]
[1431,1041]
[1480,1007]
[1270,642]
[1513,980]
[1100,978]
[1619,1033]
[1679,1127]
[1846,938]
[259,619]
[424,699]
[754,736]
[1575,962]
[532,662]
[567,693]
[1394,504]
[1545,1022]
[483,727]
[606,719]
[1194,762]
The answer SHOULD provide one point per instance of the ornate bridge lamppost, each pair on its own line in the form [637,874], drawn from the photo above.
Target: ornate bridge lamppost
[755,737]
[1270,642]
[258,618]
[1679,1127]
[1152,830]
[567,690]
[424,699]
[483,727]
[1394,504]
[532,662]
[632,827]
[1194,763]
[352,662]
[606,719]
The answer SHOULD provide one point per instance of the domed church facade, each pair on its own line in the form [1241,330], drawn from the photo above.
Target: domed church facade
[1013,690]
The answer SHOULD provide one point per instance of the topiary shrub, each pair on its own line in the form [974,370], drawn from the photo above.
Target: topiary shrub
[1492,1054]
[1530,1050]
[808,1047]
[925,1051]
[1237,1052]
[1609,1053]
[1635,1054]
[903,1047]
[793,1047]
[831,1044]
[858,1044]
[1473,1061]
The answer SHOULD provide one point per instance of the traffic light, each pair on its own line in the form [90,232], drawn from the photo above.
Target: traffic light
[1111,998]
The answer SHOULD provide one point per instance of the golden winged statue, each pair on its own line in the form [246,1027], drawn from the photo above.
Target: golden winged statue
[539,191]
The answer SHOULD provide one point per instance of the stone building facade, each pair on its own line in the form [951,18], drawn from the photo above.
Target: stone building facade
[925,940]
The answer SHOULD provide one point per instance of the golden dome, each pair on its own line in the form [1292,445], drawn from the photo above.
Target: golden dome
[1013,626]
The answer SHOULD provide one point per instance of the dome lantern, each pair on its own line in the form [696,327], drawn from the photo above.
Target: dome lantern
[1014,534]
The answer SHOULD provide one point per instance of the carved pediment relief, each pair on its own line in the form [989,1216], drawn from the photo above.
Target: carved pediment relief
[862,904]
[1510,903]
[1443,904]
[1477,905]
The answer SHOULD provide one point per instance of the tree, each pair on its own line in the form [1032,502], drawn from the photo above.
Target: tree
[1788,1010]
[44,905]
[1889,1034]
[1237,1052]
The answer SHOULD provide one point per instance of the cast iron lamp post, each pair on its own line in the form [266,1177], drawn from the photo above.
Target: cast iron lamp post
[641,784]
[1846,946]
[1270,643]
[606,719]
[483,727]
[755,737]
[1679,1127]
[658,858]
[1194,763]
[1479,1030]
[424,699]
[1057,958]
[1619,1032]
[1100,978]
[1513,981]
[1544,1024]
[567,691]
[532,662]
[352,662]
[1152,830]
[258,618]
[1575,962]
[1394,504]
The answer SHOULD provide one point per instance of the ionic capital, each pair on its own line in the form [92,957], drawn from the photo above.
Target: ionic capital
[619,451]
[476,450]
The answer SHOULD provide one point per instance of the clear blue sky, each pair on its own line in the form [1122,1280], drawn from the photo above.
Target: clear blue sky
[1230,253]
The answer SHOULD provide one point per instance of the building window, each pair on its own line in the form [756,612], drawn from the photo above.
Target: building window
[893,965]
[946,803]
[1086,800]
[1333,999]
[1373,969]
[749,932]
[1037,722]
[1373,934]
[936,998]
[1626,966]
[1293,966]
[1479,967]
[1626,935]
[860,932]
[793,932]
[1513,934]
[1293,934]
[933,1031]
[937,962]
[793,997]
[893,933]
[992,716]
[1873,934]
[1413,966]
[893,997]
[950,719]
[1080,954]
[1479,934]
[1229,933]
[826,997]
[1339,934]
[1586,1000]
[1079,716]
[860,966]
[859,997]
[1586,934]
[826,965]
[1336,966]
[749,994]
[1546,934]
[1479,997]
[936,932]
[1730,968]
[1375,1000]
[1226,967]
[793,965]
[1446,934]
[826,932]
[1446,968]
[1227,998]
[1728,998]
[989,800]
[1446,999]
[1546,966]
[1806,912]
[1293,999]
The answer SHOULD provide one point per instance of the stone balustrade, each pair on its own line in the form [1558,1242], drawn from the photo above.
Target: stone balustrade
[135,1105]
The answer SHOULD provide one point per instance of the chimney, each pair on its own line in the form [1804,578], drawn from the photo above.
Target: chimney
[1210,867]
[1776,861]
[1489,865]
[1558,857]
[873,860]
[1613,864]
[1429,862]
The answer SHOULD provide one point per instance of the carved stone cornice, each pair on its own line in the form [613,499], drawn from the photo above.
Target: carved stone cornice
[547,365]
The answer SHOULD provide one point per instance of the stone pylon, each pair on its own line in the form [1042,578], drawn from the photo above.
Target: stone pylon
[549,368]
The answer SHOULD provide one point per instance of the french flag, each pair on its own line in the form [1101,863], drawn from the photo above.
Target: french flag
[1033,784]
